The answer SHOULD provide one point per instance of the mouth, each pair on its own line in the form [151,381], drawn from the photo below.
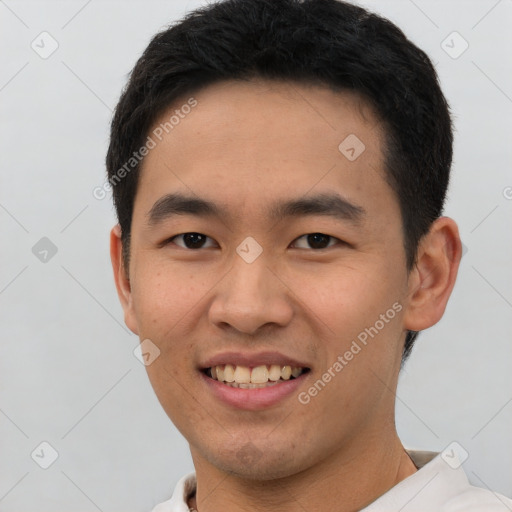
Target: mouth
[252,377]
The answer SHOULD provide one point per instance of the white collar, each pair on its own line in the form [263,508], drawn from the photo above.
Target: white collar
[436,485]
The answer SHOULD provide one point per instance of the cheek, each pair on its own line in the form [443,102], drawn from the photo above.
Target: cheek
[347,299]
[165,296]
[168,302]
[357,313]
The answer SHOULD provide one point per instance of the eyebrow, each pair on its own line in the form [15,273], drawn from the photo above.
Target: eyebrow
[326,204]
[329,205]
[179,204]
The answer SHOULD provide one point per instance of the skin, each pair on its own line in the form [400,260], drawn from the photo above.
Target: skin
[246,145]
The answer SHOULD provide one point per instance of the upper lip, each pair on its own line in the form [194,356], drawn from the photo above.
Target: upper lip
[252,360]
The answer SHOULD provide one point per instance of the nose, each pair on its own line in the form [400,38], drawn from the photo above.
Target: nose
[249,297]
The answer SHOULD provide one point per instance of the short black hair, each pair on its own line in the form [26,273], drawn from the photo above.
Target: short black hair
[324,42]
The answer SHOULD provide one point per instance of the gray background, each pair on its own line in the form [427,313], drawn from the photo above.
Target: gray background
[68,375]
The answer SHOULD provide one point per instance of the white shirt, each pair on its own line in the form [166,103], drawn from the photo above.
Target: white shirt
[436,487]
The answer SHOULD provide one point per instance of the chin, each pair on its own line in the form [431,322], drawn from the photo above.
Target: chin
[250,462]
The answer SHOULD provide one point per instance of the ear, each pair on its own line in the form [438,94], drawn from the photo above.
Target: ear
[432,279]
[121,278]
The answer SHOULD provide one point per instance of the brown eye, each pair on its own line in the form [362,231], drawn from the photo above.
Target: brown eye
[190,240]
[316,240]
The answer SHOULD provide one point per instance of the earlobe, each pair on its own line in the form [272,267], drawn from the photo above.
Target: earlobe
[121,278]
[433,277]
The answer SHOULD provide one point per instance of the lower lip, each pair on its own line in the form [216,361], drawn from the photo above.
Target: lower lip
[253,399]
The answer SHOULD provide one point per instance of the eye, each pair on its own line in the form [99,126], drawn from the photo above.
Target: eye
[317,240]
[190,240]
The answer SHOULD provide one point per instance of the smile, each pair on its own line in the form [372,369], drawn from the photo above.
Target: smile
[246,377]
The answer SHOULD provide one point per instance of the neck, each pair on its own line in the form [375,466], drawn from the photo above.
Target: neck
[349,481]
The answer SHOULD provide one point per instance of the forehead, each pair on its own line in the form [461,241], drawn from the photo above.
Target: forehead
[282,109]
[244,143]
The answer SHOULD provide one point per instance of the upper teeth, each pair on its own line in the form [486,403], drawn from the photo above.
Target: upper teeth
[256,375]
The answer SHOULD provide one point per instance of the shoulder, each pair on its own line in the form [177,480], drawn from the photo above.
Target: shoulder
[178,502]
[439,485]
[450,488]
[476,499]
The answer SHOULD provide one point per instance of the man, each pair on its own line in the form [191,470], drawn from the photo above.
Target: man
[279,169]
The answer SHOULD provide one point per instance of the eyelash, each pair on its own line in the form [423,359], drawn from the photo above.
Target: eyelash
[171,240]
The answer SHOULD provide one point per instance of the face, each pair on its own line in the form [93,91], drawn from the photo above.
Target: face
[289,253]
